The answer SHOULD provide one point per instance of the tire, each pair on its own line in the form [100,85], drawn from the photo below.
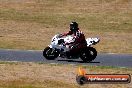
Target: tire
[49,54]
[81,80]
[88,54]
[93,53]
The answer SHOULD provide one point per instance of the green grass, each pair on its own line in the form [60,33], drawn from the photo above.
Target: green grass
[8,62]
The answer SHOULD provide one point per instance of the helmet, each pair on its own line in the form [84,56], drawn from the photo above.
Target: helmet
[73,26]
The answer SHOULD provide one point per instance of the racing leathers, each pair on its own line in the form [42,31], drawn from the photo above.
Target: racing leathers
[79,40]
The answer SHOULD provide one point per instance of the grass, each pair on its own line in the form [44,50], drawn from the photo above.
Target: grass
[36,75]
[44,84]
[31,24]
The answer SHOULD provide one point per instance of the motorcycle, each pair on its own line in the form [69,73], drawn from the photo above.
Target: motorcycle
[57,48]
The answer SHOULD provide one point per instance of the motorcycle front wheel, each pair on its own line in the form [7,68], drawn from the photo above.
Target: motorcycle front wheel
[50,54]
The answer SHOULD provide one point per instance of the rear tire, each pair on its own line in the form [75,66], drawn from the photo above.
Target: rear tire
[88,54]
[93,53]
[50,54]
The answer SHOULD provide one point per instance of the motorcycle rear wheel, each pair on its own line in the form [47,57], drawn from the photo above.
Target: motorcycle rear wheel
[50,54]
[88,54]
[93,53]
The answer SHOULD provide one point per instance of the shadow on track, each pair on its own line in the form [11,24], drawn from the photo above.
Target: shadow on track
[77,61]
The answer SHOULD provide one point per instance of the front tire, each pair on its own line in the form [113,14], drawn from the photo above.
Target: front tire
[50,54]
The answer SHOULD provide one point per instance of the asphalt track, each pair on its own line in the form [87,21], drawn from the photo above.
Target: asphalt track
[118,60]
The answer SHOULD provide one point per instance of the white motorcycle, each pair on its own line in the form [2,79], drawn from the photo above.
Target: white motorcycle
[57,48]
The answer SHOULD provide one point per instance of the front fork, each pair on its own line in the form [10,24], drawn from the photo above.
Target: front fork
[54,49]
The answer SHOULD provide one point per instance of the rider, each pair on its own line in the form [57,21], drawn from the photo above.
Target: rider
[78,35]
